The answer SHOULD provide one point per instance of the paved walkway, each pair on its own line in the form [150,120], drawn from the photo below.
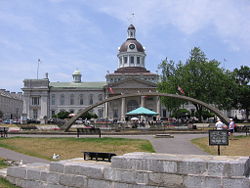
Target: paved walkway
[180,144]
[14,156]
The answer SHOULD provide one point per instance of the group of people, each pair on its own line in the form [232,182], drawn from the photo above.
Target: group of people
[221,126]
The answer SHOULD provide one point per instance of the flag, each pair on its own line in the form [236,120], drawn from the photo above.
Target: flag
[111,90]
[181,90]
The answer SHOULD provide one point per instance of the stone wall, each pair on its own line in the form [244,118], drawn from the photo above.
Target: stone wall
[137,170]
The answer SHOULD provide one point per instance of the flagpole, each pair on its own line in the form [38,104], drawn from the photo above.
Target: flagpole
[37,69]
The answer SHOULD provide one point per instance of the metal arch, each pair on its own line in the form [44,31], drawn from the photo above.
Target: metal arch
[69,123]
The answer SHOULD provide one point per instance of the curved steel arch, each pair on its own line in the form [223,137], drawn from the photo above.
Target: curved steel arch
[69,123]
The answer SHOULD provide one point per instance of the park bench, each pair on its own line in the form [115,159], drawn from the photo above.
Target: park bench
[245,128]
[88,131]
[98,155]
[4,131]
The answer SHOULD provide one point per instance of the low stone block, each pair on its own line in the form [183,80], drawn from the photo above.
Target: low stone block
[191,167]
[50,177]
[18,172]
[56,167]
[236,182]
[73,180]
[33,174]
[164,179]
[125,176]
[94,183]
[92,170]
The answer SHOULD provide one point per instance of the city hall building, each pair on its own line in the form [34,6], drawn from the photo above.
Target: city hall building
[44,98]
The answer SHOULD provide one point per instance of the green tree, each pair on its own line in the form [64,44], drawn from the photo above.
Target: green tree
[201,79]
[242,97]
[62,115]
[89,115]
[168,84]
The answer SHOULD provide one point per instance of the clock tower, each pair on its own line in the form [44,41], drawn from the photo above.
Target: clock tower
[131,53]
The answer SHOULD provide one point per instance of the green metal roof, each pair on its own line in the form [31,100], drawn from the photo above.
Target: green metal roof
[141,111]
[86,85]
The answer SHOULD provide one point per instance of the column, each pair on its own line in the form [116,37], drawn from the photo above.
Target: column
[158,107]
[142,101]
[44,108]
[105,115]
[123,110]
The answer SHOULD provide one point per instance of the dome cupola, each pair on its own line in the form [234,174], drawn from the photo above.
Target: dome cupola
[131,53]
[77,76]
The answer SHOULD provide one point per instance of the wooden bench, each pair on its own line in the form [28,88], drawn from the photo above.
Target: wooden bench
[4,131]
[245,128]
[88,131]
[98,155]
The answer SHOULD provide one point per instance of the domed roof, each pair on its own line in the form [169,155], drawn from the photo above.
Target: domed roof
[131,26]
[77,72]
[125,45]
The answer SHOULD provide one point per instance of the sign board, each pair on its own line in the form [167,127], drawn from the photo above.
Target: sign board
[218,137]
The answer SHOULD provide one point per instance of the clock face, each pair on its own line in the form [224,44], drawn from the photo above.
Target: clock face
[132,46]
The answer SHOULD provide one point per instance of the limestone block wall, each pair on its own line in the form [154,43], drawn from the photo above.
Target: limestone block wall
[137,170]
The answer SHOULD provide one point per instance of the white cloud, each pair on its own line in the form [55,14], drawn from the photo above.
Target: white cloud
[227,18]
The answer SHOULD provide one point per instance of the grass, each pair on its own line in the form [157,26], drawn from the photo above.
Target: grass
[6,184]
[238,146]
[3,163]
[3,182]
[73,147]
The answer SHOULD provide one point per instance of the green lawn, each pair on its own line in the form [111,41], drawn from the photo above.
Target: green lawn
[6,184]
[238,146]
[73,147]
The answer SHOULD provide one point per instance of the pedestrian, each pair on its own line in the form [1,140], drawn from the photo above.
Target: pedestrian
[231,127]
[219,125]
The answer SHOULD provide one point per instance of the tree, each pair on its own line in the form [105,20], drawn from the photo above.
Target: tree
[242,97]
[201,79]
[89,115]
[62,115]
[168,84]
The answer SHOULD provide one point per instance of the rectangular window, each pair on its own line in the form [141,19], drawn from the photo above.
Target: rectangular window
[132,60]
[72,100]
[81,99]
[125,59]
[53,99]
[62,99]
[138,60]
[35,101]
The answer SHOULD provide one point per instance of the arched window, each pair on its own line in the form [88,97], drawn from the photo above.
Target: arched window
[72,101]
[81,99]
[62,99]
[91,99]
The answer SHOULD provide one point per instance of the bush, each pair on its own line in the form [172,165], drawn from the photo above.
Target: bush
[28,127]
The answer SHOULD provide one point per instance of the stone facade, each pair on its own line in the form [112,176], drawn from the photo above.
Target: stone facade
[11,104]
[137,170]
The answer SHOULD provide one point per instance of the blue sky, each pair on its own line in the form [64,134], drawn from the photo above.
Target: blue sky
[86,34]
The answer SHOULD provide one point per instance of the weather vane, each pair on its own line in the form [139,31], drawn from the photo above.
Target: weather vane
[131,18]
